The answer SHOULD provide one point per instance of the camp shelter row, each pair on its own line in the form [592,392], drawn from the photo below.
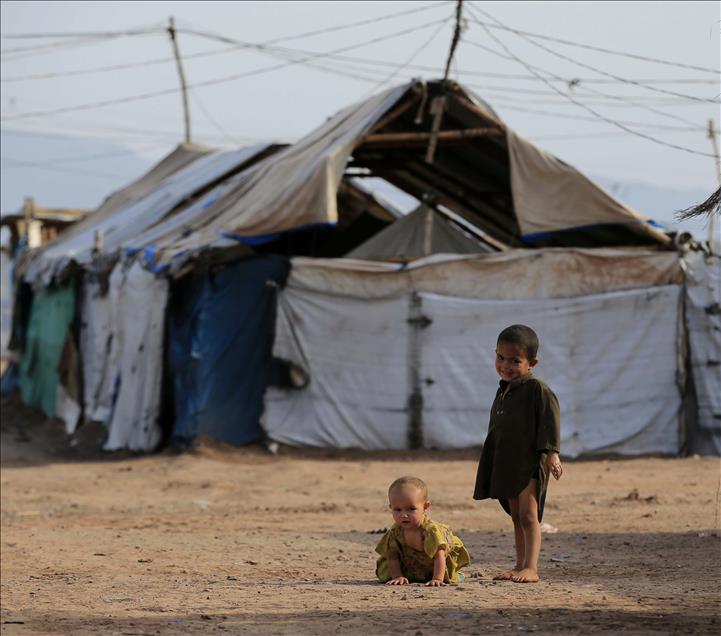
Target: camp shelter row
[212,296]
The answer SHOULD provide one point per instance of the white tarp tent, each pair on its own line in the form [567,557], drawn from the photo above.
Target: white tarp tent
[703,322]
[138,300]
[297,186]
[369,336]
[6,296]
[113,228]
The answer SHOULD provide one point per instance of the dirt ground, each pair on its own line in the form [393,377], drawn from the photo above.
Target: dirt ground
[239,541]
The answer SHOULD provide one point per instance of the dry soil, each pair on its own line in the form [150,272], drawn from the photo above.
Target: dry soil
[239,541]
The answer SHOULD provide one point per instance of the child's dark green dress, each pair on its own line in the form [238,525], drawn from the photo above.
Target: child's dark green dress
[524,427]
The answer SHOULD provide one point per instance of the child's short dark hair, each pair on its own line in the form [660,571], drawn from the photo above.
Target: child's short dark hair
[522,336]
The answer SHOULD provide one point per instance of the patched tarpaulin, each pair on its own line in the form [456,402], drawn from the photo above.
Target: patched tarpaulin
[377,363]
[6,303]
[703,322]
[551,195]
[298,186]
[221,335]
[515,274]
[135,209]
[96,338]
[421,233]
[51,313]
[138,300]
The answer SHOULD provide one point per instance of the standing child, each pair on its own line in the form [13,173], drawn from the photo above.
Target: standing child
[416,549]
[521,448]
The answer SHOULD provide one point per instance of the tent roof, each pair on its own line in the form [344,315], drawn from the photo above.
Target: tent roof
[197,200]
[483,171]
[177,179]
[421,233]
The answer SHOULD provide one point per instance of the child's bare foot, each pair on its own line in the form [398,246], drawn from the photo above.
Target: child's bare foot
[507,575]
[526,575]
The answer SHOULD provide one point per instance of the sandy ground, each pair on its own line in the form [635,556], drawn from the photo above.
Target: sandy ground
[239,541]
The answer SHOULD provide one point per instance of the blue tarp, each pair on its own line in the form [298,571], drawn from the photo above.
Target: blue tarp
[220,340]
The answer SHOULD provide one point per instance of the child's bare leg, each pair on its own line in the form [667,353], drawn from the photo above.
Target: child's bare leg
[518,542]
[531,528]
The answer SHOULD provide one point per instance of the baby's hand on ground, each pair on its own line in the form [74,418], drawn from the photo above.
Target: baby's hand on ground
[401,580]
[435,583]
[553,464]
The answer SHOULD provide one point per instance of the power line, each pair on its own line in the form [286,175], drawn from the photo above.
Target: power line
[618,78]
[601,49]
[370,62]
[80,34]
[589,109]
[549,113]
[357,24]
[410,59]
[23,52]
[203,54]
[339,58]
[31,164]
[220,80]
[547,74]
[19,53]
[194,96]
[81,158]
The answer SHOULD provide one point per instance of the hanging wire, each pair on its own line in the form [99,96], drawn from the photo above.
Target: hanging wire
[588,108]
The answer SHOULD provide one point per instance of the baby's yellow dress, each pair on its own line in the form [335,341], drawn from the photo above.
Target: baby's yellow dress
[417,565]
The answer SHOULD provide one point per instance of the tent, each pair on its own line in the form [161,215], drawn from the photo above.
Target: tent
[421,233]
[122,305]
[411,361]
[515,193]
[518,200]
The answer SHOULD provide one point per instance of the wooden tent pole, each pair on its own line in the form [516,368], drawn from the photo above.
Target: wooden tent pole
[183,85]
[713,240]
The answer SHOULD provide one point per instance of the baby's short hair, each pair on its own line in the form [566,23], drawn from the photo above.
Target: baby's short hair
[522,336]
[418,484]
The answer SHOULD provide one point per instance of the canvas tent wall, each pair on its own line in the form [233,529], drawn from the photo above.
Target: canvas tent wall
[421,233]
[411,356]
[703,323]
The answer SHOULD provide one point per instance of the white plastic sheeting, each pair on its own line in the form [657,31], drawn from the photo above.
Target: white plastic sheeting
[122,227]
[703,324]
[611,358]
[355,352]
[6,302]
[138,300]
[96,337]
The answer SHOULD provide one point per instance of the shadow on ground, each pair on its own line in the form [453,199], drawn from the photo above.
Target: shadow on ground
[453,620]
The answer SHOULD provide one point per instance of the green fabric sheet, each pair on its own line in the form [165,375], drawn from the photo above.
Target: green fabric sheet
[50,315]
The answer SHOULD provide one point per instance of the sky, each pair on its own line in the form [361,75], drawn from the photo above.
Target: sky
[609,114]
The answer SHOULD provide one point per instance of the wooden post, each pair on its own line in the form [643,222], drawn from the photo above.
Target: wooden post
[714,242]
[438,105]
[183,86]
